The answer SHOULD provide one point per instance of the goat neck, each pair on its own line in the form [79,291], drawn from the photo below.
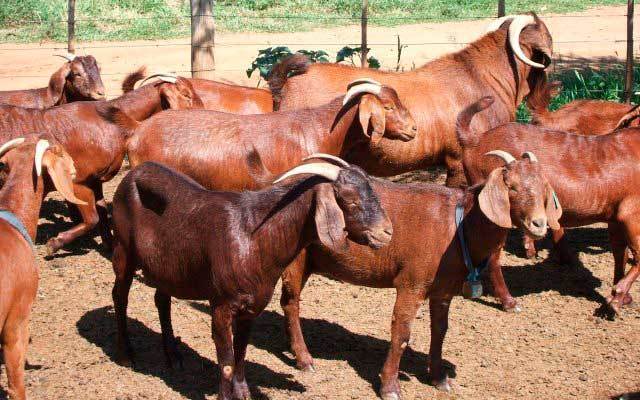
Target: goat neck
[22,194]
[337,125]
[139,104]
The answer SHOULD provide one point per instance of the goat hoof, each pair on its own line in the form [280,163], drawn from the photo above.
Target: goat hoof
[627,300]
[615,304]
[444,385]
[53,245]
[515,309]
[173,358]
[241,390]
[390,396]
[306,366]
[531,253]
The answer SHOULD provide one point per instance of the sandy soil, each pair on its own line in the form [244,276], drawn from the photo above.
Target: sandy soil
[595,34]
[557,348]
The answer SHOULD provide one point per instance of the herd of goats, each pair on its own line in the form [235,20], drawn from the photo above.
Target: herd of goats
[233,188]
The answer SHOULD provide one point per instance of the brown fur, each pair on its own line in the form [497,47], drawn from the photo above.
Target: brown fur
[77,80]
[609,163]
[227,247]
[434,93]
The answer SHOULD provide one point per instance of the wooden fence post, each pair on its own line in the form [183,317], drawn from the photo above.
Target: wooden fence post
[363,28]
[501,10]
[202,39]
[628,82]
[71,26]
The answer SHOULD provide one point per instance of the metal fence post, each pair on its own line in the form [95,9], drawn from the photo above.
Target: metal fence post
[71,26]
[628,82]
[363,27]
[202,39]
[501,10]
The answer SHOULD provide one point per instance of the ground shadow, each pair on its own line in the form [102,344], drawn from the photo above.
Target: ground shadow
[200,374]
[586,239]
[330,341]
[627,396]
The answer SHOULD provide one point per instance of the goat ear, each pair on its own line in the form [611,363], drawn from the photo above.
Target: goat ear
[372,111]
[60,173]
[329,220]
[171,96]
[57,82]
[494,199]
[553,208]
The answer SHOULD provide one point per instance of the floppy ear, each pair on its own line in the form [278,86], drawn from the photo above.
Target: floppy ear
[494,199]
[553,208]
[372,111]
[329,219]
[57,82]
[60,173]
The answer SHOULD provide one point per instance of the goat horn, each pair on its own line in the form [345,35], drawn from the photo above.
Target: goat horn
[41,147]
[508,158]
[362,88]
[326,170]
[165,77]
[69,57]
[361,81]
[517,25]
[11,144]
[532,157]
[497,23]
[324,156]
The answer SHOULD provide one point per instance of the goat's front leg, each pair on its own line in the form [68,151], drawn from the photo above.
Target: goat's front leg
[240,343]
[439,314]
[15,339]
[89,217]
[529,246]
[621,289]
[103,217]
[500,289]
[408,302]
[221,327]
[561,249]
[618,240]
[169,341]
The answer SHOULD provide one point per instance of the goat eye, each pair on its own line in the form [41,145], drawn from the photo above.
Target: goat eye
[388,108]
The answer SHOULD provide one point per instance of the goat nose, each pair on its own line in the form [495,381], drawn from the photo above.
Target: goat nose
[539,223]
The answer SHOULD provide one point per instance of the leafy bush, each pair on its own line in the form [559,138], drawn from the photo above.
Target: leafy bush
[349,52]
[270,56]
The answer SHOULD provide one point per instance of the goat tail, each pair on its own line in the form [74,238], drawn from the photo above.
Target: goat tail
[540,97]
[129,82]
[465,136]
[293,65]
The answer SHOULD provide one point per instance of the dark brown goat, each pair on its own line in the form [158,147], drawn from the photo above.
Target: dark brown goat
[424,257]
[77,80]
[219,96]
[23,161]
[434,93]
[230,247]
[582,117]
[213,147]
[594,177]
[97,146]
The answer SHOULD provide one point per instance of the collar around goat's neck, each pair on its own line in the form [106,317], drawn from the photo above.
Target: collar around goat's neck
[15,222]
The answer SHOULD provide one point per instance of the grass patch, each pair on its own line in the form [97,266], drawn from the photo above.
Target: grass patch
[35,20]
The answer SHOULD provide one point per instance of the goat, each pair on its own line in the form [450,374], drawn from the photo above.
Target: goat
[230,247]
[424,256]
[219,96]
[97,146]
[607,162]
[23,159]
[434,93]
[213,147]
[583,117]
[77,80]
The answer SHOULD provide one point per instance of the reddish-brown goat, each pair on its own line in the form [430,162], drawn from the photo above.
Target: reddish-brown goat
[22,195]
[213,147]
[97,146]
[230,247]
[582,117]
[596,179]
[434,93]
[424,257]
[77,80]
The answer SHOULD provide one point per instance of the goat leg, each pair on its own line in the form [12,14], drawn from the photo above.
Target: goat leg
[221,327]
[240,343]
[561,249]
[404,312]
[103,217]
[500,289]
[89,217]
[619,248]
[439,315]
[169,341]
[529,246]
[293,281]
[120,293]
[14,343]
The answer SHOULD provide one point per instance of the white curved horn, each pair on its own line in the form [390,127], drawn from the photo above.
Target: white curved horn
[508,158]
[326,170]
[165,77]
[41,147]
[497,23]
[517,25]
[361,81]
[532,157]
[69,57]
[327,157]
[363,88]
[10,145]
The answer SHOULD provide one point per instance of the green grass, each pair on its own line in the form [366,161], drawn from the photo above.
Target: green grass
[36,20]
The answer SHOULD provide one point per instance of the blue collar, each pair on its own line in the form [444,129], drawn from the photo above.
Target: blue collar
[14,221]
[474,272]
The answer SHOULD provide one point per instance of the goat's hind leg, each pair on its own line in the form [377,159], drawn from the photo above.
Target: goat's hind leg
[240,341]
[620,293]
[169,341]
[221,327]
[124,271]
[15,339]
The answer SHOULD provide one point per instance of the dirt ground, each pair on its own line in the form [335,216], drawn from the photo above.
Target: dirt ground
[557,348]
